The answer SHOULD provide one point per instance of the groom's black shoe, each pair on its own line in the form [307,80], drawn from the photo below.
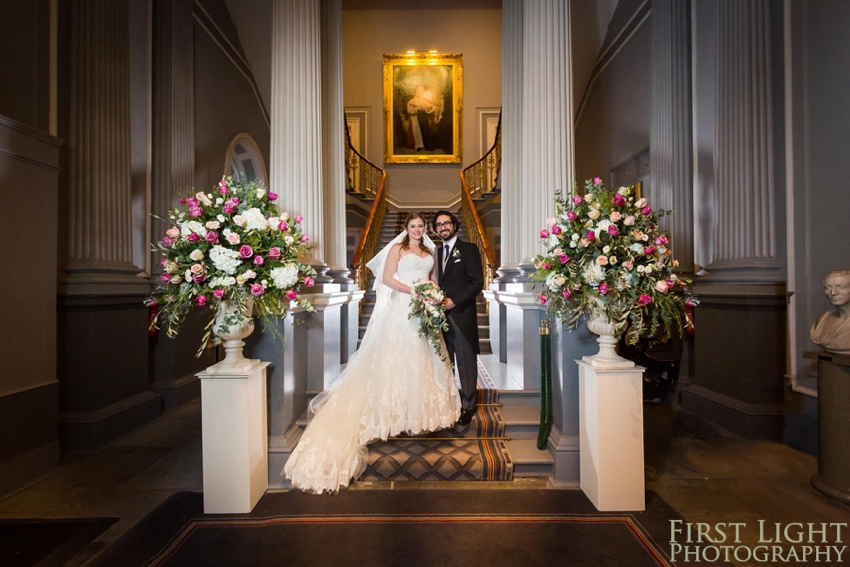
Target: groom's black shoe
[465,417]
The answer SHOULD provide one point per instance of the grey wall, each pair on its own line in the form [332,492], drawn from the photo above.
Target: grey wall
[614,122]
[818,219]
[370,33]
[29,180]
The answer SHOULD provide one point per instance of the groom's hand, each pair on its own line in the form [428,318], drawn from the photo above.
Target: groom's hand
[448,303]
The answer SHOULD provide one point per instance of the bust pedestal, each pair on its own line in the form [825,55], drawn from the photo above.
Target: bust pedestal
[833,476]
[235,439]
[611,436]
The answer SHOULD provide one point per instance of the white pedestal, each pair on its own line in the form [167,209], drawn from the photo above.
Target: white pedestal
[235,440]
[611,436]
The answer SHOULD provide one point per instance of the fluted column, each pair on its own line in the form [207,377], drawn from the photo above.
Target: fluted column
[334,136]
[173,110]
[512,80]
[100,245]
[744,233]
[671,140]
[296,121]
[547,119]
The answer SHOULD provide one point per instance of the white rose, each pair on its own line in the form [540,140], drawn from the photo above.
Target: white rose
[594,214]
[606,249]
[176,279]
[274,223]
[629,220]
[613,260]
[284,216]
[575,237]
[260,193]
[240,279]
[560,280]
[212,225]
[623,191]
[573,244]
[219,201]
[239,220]
[196,255]
[220,218]
[191,226]
[288,239]
[188,276]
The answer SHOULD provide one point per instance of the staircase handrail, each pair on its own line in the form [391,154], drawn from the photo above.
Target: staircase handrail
[483,184]
[364,177]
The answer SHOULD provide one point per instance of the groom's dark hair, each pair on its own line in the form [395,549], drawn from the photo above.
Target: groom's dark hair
[449,214]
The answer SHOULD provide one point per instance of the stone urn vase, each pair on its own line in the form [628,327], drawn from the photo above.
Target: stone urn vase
[232,325]
[607,356]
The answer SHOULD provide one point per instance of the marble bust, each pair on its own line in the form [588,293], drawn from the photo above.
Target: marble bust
[832,329]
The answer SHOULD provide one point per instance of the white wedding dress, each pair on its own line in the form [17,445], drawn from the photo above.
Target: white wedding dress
[395,383]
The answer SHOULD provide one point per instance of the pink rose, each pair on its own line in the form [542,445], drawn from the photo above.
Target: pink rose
[590,236]
[173,232]
[272,196]
[544,233]
[309,281]
[661,286]
[212,237]
[194,237]
[613,230]
[556,230]
[195,212]
[201,300]
[662,240]
[218,293]
[547,265]
[233,238]
[305,238]
[649,250]
[597,181]
[551,221]
[167,241]
[228,209]
[291,295]
[249,274]
[246,251]
[164,278]
[542,300]
[619,200]
[646,210]
[629,220]
[222,187]
[257,290]
[196,269]
[283,226]
[644,299]
[199,278]
[274,253]
[577,199]
[298,218]
[603,288]
[259,260]
[571,216]
[615,216]
[641,203]
[566,294]
[235,201]
[563,259]
[628,265]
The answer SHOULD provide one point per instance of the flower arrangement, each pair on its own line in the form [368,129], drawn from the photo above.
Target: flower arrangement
[232,246]
[426,302]
[605,254]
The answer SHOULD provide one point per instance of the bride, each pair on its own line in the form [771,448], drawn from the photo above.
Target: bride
[394,383]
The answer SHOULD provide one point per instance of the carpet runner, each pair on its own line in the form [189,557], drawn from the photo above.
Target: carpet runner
[465,452]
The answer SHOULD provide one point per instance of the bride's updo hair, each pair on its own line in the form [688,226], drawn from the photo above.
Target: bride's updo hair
[412,216]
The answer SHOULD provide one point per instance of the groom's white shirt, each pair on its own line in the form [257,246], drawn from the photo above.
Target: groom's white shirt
[451,244]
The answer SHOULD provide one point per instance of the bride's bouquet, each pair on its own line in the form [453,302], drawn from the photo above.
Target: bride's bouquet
[426,302]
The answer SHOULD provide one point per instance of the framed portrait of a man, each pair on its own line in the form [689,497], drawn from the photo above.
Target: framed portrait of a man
[423,106]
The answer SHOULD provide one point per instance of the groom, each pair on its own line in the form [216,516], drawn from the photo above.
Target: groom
[461,278]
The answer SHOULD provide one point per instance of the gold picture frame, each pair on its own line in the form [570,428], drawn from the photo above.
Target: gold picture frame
[423,108]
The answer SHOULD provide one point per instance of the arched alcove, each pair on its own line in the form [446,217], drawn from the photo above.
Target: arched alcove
[244,158]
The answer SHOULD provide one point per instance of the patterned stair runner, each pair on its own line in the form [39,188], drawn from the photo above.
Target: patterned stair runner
[458,453]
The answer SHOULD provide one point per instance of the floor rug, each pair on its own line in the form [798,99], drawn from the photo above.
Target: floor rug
[47,543]
[402,527]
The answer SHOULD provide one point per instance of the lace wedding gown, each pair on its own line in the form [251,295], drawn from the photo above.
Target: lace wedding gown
[394,383]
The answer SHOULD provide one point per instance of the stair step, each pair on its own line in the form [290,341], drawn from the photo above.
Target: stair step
[528,459]
[522,422]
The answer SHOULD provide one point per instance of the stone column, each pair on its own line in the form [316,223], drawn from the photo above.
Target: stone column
[537,159]
[744,240]
[743,390]
[297,160]
[102,324]
[512,81]
[173,174]
[671,138]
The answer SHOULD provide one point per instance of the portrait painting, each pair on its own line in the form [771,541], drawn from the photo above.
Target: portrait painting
[422,108]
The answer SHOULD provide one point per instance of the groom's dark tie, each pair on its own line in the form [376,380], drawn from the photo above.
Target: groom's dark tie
[445,256]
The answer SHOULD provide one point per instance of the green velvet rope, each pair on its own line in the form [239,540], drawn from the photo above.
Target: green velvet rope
[545,385]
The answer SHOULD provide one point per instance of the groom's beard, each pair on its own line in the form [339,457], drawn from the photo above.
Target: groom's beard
[449,237]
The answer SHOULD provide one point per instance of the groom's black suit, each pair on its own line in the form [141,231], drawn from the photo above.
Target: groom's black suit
[462,281]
